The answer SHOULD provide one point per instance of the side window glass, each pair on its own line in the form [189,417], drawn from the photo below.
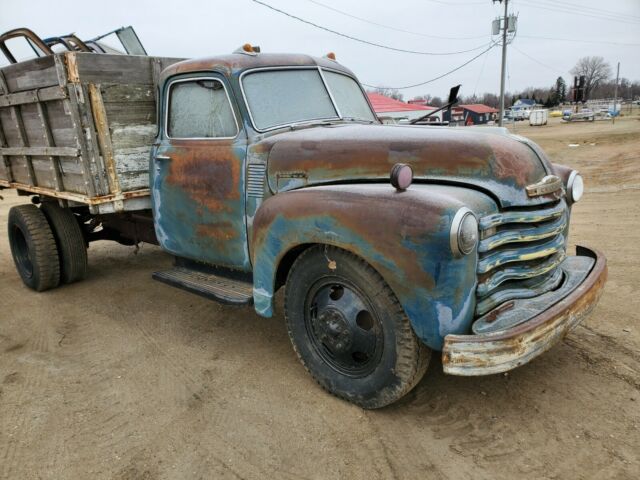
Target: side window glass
[200,109]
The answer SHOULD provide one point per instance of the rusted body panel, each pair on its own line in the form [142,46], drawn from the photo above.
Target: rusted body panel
[500,351]
[247,203]
[403,235]
[498,164]
[198,200]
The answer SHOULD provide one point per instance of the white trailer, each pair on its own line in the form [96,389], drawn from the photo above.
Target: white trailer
[538,117]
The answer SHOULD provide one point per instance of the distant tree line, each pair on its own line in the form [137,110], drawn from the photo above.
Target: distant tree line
[599,83]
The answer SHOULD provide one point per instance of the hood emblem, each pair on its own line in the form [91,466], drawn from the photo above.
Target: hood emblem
[548,184]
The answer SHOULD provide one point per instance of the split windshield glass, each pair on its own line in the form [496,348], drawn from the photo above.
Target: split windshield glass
[285,97]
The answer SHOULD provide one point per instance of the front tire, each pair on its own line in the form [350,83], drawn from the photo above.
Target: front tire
[33,248]
[349,330]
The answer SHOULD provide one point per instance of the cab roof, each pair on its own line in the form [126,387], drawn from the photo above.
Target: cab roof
[236,63]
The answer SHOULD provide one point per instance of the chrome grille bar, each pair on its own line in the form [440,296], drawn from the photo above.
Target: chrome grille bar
[519,254]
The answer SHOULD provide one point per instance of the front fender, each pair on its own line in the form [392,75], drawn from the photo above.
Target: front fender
[403,235]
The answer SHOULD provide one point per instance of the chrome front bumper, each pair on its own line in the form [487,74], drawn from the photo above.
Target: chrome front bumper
[520,335]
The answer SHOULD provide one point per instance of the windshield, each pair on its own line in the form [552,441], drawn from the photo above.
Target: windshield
[284,97]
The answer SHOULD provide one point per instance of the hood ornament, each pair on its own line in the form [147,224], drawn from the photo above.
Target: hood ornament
[548,184]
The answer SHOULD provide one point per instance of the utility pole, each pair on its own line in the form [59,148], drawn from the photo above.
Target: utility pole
[615,95]
[504,59]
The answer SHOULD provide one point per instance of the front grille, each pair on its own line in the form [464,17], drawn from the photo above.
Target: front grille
[519,253]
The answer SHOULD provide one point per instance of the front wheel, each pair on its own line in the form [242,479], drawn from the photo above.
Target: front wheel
[349,330]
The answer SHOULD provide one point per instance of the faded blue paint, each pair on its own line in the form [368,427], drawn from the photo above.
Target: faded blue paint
[407,242]
[198,196]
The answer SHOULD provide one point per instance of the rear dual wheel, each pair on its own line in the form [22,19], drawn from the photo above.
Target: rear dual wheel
[33,248]
[70,242]
[47,245]
[349,330]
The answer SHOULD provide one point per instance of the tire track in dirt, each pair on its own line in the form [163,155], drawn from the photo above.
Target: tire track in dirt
[13,417]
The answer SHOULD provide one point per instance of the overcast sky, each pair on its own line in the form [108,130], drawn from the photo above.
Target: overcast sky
[196,28]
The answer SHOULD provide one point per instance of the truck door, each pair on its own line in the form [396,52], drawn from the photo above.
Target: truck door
[197,173]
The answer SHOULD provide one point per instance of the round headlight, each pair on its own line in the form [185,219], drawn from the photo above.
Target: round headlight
[575,186]
[464,232]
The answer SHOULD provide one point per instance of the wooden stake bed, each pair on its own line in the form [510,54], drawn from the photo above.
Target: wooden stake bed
[79,127]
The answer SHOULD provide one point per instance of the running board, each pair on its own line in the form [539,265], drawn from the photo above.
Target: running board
[208,285]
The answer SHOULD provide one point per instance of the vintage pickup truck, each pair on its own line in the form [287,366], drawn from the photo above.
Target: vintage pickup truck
[259,171]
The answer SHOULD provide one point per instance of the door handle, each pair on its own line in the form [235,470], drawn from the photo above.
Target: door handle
[163,157]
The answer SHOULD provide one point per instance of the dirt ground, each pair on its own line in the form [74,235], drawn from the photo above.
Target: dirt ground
[123,377]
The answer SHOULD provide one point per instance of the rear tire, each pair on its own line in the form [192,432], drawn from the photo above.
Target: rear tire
[349,330]
[33,248]
[72,249]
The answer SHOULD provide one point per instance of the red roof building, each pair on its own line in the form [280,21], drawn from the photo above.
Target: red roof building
[388,107]
[472,114]
[479,108]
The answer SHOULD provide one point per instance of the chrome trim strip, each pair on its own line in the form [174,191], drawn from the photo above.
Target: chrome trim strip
[522,216]
[526,234]
[502,296]
[333,100]
[525,254]
[519,272]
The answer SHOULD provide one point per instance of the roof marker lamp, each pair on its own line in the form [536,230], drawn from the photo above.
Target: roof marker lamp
[463,237]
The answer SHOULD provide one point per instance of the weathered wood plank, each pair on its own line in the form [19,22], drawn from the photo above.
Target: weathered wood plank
[75,91]
[43,151]
[4,160]
[104,136]
[30,74]
[120,69]
[127,92]
[65,131]
[32,96]
[54,161]
[22,135]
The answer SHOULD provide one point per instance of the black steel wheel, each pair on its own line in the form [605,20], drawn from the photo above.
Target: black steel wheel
[33,248]
[72,249]
[342,327]
[349,330]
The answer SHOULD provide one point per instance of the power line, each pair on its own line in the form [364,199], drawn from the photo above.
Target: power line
[388,27]
[595,9]
[484,62]
[537,61]
[493,44]
[577,40]
[559,9]
[379,45]
[602,14]
[456,4]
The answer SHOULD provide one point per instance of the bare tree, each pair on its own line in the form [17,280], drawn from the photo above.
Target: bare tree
[436,102]
[595,71]
[390,92]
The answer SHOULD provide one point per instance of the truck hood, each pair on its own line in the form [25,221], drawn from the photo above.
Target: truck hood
[497,163]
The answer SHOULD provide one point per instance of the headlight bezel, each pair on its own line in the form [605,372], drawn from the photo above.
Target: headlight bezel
[575,186]
[457,225]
